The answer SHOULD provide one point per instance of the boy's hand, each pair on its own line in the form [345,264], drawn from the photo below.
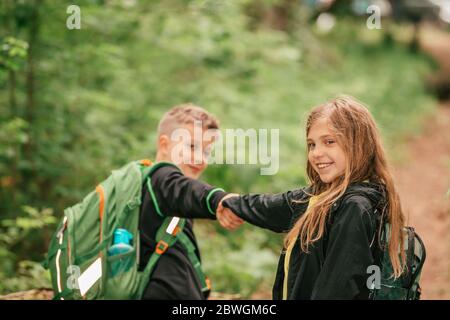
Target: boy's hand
[226,217]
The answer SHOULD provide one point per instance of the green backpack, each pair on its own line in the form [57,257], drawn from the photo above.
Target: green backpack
[406,287]
[77,258]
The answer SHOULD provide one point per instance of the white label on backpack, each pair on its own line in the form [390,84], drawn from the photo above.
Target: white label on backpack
[88,278]
[173,223]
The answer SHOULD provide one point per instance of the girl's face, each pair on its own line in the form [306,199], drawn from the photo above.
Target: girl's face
[326,157]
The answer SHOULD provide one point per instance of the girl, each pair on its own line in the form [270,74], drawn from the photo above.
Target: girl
[333,224]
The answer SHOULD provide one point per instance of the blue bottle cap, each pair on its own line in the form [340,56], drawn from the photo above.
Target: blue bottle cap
[122,236]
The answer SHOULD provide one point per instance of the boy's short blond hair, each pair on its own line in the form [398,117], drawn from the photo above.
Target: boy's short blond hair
[184,114]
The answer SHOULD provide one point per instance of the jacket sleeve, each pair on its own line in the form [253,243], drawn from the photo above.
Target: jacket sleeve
[348,253]
[269,211]
[178,195]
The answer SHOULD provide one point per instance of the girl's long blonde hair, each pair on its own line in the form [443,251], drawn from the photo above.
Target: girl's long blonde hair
[358,135]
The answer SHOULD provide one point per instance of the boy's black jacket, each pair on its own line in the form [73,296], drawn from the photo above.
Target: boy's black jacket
[336,265]
[174,276]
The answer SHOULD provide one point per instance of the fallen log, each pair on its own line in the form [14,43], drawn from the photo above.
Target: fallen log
[35,294]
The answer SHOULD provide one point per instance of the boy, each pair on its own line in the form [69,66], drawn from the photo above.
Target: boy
[177,193]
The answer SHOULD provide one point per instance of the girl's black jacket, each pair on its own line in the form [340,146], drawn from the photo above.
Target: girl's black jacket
[336,266]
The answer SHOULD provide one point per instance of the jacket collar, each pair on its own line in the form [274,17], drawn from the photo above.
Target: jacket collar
[375,192]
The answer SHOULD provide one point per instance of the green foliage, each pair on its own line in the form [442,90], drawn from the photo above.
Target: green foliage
[12,134]
[22,225]
[17,274]
[240,262]
[12,53]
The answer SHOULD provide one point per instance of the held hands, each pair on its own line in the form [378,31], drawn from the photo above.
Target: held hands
[226,217]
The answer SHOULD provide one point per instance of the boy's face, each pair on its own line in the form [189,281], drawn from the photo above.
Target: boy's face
[188,148]
[325,155]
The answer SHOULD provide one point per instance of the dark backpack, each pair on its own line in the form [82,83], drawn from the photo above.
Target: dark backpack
[406,287]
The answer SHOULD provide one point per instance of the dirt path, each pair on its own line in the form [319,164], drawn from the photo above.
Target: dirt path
[424,180]
[423,183]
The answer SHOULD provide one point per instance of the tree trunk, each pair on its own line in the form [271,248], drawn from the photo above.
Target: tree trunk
[30,83]
[15,175]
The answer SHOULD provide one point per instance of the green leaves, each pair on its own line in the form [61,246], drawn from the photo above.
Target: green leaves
[17,229]
[29,275]
[17,274]
[237,262]
[12,53]
[12,133]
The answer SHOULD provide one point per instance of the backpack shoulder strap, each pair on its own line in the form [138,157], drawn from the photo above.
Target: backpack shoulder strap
[168,234]
[166,237]
[190,248]
[147,173]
